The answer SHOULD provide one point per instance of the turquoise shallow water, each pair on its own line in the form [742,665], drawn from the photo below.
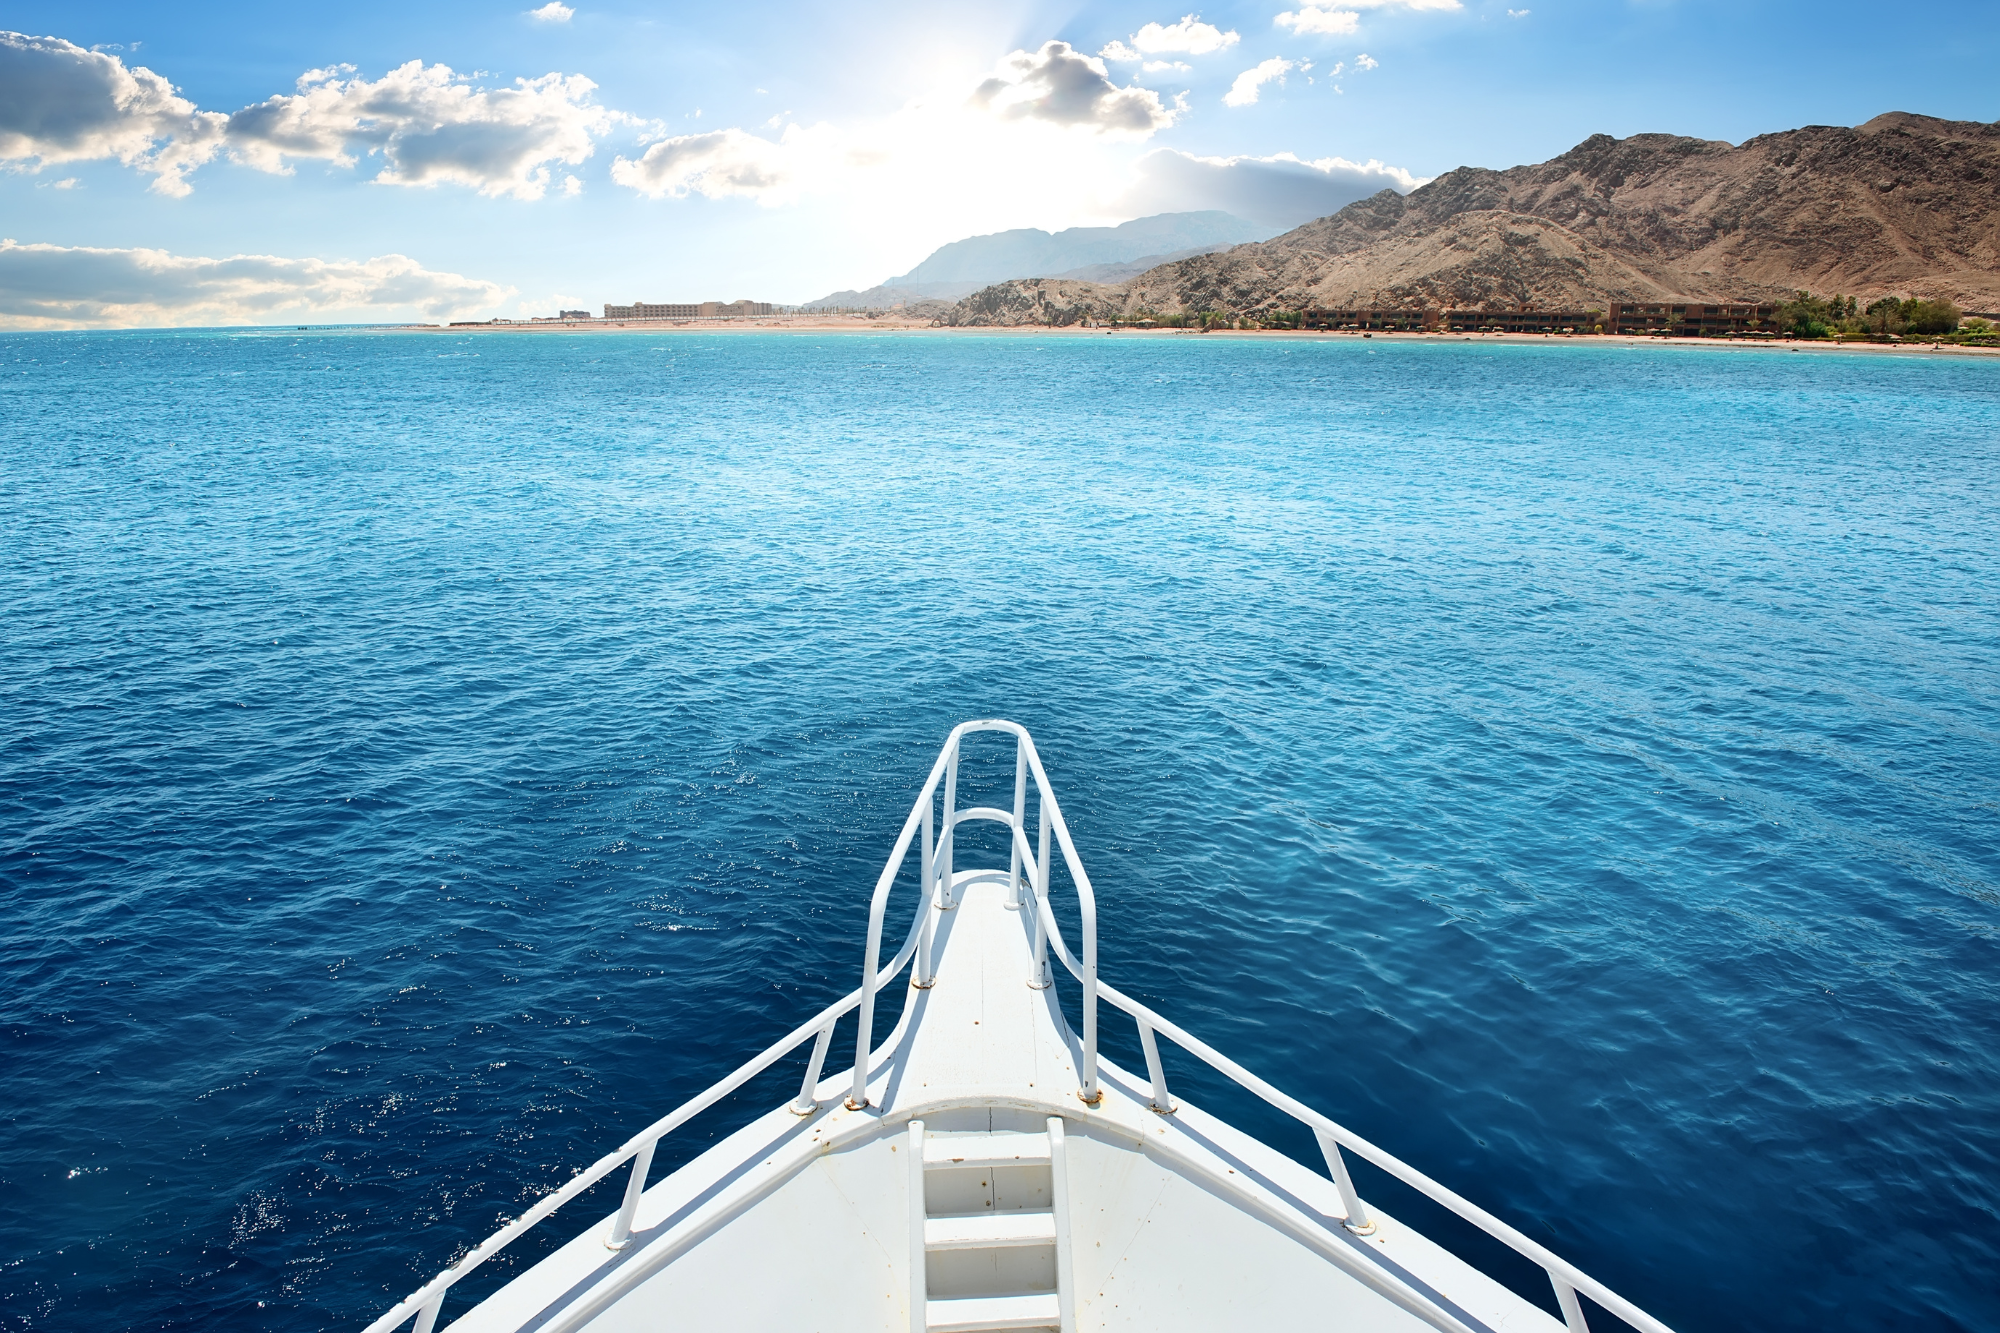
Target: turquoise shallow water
[424,760]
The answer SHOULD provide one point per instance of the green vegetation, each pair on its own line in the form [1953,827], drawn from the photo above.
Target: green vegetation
[1890,316]
[1191,319]
[1804,316]
[1809,316]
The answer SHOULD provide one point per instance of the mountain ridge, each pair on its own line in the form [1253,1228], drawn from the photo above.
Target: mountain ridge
[960,267]
[1903,204]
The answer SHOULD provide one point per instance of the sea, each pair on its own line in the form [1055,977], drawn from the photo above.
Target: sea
[427,758]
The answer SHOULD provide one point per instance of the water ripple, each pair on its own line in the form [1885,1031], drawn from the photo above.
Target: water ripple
[428,759]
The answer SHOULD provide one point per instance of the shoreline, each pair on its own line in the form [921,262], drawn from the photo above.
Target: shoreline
[856,324]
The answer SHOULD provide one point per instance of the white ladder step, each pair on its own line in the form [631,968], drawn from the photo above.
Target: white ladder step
[989,1231]
[981,1150]
[972,1314]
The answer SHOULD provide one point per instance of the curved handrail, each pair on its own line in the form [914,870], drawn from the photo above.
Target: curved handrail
[936,866]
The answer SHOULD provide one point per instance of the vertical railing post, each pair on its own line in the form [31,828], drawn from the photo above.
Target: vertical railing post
[1358,1220]
[808,1102]
[948,831]
[1571,1307]
[635,1188]
[864,1027]
[928,875]
[927,879]
[1039,978]
[1020,815]
[1090,1092]
[428,1316]
[1162,1103]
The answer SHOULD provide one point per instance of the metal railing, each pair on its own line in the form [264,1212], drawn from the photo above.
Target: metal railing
[938,883]
[1029,869]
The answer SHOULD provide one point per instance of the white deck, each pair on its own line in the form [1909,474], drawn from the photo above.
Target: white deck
[802,1223]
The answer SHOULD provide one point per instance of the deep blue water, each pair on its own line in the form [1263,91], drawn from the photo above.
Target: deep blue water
[425,759]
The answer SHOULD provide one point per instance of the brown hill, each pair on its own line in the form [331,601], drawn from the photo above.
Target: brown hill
[1903,205]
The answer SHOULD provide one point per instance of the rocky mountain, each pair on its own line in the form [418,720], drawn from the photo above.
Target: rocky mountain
[942,294]
[1903,205]
[1090,253]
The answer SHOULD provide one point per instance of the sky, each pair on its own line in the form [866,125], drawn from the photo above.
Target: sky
[236,164]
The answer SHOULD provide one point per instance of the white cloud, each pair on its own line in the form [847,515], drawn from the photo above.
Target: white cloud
[1277,191]
[555,11]
[1243,92]
[1341,18]
[52,286]
[1190,36]
[1065,87]
[1517,13]
[61,103]
[725,163]
[429,125]
[1163,66]
[1312,21]
[1366,61]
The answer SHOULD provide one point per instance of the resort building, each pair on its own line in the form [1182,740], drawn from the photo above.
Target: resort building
[1690,321]
[1673,319]
[701,310]
[649,310]
[1369,319]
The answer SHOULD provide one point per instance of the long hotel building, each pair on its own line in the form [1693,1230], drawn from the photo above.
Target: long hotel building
[703,310]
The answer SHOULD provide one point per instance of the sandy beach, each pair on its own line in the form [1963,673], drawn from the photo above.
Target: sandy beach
[890,323]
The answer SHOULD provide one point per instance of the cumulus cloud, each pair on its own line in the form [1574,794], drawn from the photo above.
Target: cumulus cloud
[1366,61]
[429,126]
[52,286]
[1279,191]
[1341,18]
[1190,36]
[1243,92]
[555,11]
[1312,21]
[1065,87]
[726,163]
[61,103]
